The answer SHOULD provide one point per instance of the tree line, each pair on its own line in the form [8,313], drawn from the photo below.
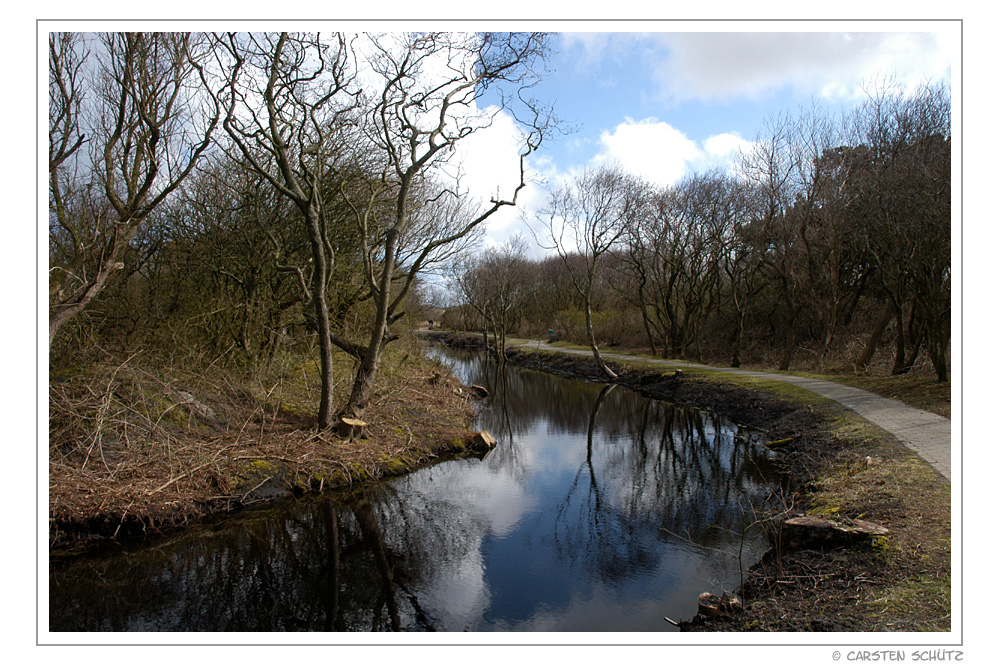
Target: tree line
[829,237]
[243,192]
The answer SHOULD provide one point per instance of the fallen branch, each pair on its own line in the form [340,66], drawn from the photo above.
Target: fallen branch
[180,477]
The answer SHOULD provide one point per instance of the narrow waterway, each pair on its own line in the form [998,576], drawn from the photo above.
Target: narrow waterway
[599,510]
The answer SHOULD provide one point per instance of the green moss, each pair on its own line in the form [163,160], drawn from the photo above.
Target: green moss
[825,510]
[264,466]
[397,465]
[253,471]
[881,544]
[294,409]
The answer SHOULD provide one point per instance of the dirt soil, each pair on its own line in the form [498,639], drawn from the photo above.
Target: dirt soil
[841,468]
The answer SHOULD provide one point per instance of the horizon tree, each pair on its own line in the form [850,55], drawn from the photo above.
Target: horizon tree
[586,218]
[290,100]
[425,102]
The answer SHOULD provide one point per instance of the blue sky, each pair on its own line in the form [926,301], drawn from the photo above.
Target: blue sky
[713,83]
[667,99]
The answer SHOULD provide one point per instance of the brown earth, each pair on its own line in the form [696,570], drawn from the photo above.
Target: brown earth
[139,448]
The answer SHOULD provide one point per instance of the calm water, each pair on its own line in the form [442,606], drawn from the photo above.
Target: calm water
[599,510]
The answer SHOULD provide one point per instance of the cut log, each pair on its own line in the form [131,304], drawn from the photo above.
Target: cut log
[710,605]
[811,532]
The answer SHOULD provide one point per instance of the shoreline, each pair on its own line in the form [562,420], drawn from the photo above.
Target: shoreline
[125,490]
[842,469]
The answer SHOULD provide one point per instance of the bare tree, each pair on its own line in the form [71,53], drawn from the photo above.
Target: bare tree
[901,195]
[495,285]
[137,102]
[770,168]
[741,264]
[586,218]
[424,105]
[289,103]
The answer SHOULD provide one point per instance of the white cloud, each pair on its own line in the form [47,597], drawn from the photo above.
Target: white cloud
[649,148]
[724,145]
[661,153]
[716,65]
[723,66]
[491,166]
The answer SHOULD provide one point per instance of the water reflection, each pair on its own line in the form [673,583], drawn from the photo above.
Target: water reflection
[598,510]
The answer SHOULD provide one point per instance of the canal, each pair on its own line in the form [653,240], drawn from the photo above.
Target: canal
[598,510]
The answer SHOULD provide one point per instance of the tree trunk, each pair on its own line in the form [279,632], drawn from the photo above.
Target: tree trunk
[645,318]
[365,377]
[738,342]
[876,337]
[66,313]
[900,362]
[937,348]
[593,342]
[325,418]
[911,359]
[786,359]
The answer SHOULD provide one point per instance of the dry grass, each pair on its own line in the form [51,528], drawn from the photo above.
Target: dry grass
[142,443]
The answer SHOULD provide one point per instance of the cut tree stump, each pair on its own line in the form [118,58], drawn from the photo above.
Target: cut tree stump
[710,605]
[482,442]
[351,428]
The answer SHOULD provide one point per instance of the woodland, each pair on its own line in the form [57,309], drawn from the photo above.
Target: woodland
[827,248]
[247,227]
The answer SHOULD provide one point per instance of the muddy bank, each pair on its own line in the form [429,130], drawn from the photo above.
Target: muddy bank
[841,469]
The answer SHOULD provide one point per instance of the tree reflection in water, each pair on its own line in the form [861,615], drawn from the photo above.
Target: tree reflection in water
[598,510]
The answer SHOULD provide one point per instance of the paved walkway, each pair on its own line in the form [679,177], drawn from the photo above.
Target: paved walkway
[928,434]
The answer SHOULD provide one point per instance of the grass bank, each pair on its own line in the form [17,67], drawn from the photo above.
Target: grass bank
[143,443]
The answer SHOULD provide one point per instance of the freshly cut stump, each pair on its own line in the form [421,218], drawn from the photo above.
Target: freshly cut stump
[482,442]
[351,428]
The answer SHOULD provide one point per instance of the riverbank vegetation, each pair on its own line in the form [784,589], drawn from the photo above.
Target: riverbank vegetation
[154,441]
